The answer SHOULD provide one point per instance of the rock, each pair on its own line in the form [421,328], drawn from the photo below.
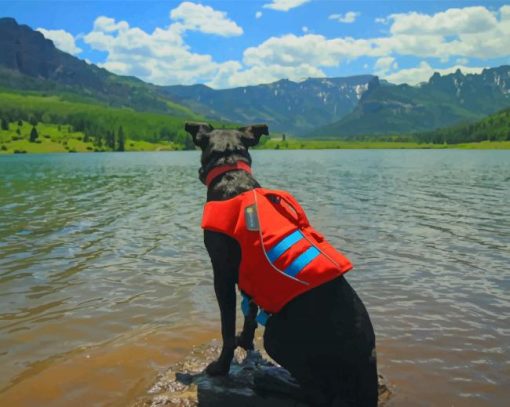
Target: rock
[253,381]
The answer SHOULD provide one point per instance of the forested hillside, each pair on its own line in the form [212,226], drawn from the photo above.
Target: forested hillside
[495,127]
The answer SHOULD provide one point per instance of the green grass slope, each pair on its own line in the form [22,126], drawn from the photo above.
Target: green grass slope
[94,122]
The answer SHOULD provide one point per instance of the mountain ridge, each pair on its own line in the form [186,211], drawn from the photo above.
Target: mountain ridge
[445,100]
[285,105]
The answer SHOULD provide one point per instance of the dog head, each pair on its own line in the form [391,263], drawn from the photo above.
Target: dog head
[224,146]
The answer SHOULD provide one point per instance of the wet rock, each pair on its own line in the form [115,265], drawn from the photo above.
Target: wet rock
[253,381]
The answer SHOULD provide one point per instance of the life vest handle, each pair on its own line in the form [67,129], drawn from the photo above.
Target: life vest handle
[291,201]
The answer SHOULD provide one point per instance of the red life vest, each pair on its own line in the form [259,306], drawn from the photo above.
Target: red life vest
[282,256]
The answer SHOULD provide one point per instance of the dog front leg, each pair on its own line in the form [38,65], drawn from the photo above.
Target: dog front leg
[226,295]
[225,264]
[245,338]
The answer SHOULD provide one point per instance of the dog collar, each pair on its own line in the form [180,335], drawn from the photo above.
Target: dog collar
[222,169]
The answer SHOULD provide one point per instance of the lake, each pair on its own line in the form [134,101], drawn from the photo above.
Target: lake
[104,280]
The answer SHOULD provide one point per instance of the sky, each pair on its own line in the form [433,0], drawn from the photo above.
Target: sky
[230,43]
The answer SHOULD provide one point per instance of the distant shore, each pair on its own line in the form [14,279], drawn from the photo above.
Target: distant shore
[299,144]
[46,145]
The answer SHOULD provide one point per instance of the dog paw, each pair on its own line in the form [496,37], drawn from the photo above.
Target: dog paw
[244,343]
[217,368]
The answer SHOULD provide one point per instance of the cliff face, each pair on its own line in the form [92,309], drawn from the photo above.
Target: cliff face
[28,52]
[30,62]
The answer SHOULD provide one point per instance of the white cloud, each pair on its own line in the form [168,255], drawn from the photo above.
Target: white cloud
[258,14]
[349,17]
[290,50]
[285,5]
[305,29]
[234,75]
[385,64]
[196,17]
[381,20]
[62,40]
[424,71]
[162,57]
[106,24]
[454,21]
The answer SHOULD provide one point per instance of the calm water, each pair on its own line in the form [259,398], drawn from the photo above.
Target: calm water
[104,280]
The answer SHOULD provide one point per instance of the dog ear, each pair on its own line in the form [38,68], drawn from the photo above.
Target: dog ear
[252,134]
[199,133]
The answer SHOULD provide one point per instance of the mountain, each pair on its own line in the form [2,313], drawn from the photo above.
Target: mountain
[286,106]
[442,101]
[30,62]
[358,106]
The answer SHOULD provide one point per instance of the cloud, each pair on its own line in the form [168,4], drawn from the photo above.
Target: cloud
[454,21]
[319,51]
[162,57]
[233,75]
[385,64]
[424,71]
[106,24]
[313,49]
[285,5]
[349,17]
[196,17]
[258,14]
[62,40]
[305,29]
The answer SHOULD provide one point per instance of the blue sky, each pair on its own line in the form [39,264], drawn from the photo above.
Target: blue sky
[246,42]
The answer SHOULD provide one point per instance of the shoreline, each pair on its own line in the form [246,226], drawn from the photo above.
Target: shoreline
[42,148]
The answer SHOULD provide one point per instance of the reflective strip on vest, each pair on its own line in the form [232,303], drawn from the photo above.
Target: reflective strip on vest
[283,245]
[300,262]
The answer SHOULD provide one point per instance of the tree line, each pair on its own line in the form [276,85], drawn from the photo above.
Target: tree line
[103,130]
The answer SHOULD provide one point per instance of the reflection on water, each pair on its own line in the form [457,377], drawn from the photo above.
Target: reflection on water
[102,255]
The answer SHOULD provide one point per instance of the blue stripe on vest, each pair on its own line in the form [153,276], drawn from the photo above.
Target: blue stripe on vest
[283,245]
[302,261]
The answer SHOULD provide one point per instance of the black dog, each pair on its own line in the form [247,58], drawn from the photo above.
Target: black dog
[323,337]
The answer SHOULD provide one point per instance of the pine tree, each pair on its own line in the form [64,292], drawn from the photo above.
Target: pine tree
[121,140]
[110,139]
[5,124]
[33,135]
